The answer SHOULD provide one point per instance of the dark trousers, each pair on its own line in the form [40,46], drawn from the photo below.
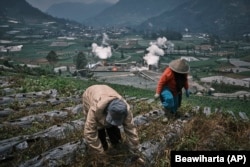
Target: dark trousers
[113,133]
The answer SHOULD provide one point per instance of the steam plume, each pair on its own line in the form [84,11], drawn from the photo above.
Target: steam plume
[105,39]
[101,52]
[154,51]
[104,51]
[161,42]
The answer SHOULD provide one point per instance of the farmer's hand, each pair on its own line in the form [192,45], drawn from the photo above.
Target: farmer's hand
[96,158]
[137,157]
[140,161]
[157,96]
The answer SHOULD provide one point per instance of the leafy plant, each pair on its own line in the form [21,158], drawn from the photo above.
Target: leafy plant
[52,57]
[80,60]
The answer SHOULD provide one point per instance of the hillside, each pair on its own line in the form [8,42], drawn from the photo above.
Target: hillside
[223,18]
[130,12]
[22,12]
[226,18]
[21,20]
[77,11]
[42,123]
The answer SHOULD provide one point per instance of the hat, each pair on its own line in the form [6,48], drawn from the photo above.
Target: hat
[179,66]
[117,112]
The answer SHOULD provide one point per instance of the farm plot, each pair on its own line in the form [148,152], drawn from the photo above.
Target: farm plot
[43,128]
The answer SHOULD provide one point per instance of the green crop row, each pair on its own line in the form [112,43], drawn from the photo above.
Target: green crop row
[68,85]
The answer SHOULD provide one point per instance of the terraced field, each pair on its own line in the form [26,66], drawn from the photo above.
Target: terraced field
[44,128]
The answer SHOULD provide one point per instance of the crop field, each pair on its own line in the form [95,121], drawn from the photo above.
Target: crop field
[46,124]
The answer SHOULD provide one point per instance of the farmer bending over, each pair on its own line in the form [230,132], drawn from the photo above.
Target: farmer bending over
[105,110]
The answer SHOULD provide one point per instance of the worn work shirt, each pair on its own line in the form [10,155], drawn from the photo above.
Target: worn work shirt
[95,100]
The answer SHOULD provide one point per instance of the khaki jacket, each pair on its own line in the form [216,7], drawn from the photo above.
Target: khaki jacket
[95,100]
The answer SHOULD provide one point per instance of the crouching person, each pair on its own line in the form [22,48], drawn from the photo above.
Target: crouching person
[170,85]
[104,111]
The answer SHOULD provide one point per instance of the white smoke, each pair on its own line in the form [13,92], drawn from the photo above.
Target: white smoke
[151,59]
[155,51]
[165,44]
[160,42]
[105,39]
[101,52]
[104,51]
[170,46]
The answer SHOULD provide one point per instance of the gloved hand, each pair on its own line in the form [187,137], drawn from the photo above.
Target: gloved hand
[137,157]
[140,161]
[187,93]
[96,158]
[157,96]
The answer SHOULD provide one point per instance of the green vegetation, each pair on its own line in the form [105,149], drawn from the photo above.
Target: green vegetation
[225,88]
[80,61]
[216,132]
[245,74]
[234,105]
[201,133]
[67,86]
[52,57]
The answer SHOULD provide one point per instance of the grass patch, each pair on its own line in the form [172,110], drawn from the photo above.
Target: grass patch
[218,132]
[235,105]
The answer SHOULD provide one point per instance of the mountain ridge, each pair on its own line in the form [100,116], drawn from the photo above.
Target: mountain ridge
[22,10]
[77,11]
[227,18]
[214,16]
[131,13]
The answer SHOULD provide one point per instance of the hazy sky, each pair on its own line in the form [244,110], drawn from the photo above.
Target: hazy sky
[43,5]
